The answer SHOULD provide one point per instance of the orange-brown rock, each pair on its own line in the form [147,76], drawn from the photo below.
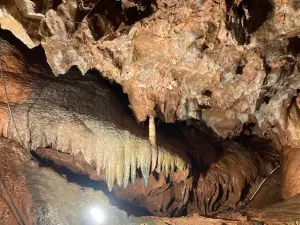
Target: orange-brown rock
[290,172]
[227,63]
[13,177]
[232,66]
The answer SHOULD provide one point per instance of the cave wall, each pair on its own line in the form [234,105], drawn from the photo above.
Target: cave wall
[79,123]
[227,63]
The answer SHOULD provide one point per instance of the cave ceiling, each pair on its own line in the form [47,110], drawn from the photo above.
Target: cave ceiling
[219,80]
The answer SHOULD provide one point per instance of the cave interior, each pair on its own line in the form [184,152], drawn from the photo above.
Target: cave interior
[149,112]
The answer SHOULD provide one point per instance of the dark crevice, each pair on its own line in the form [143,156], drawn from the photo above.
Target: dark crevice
[259,11]
[38,61]
[56,3]
[245,192]
[246,17]
[105,18]
[204,47]
[294,45]
[143,8]
[108,16]
[229,4]
[216,203]
[267,68]
[267,99]
[240,69]
[247,128]
[207,93]
[41,6]
[264,147]
[204,107]
[235,21]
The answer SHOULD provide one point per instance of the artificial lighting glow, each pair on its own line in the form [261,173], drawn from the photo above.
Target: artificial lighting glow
[98,215]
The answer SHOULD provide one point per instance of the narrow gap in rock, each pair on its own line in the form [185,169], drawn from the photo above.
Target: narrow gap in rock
[245,192]
[246,17]
[39,59]
[235,21]
[267,99]
[56,3]
[204,107]
[204,46]
[258,13]
[240,69]
[141,10]
[108,16]
[105,18]
[207,93]
[39,5]
[294,45]
[229,4]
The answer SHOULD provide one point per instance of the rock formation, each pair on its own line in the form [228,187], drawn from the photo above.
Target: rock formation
[224,71]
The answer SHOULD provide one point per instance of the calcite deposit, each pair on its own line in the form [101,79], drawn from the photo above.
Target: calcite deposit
[226,72]
[214,61]
[208,60]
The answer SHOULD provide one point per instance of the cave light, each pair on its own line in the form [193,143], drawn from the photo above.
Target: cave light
[98,215]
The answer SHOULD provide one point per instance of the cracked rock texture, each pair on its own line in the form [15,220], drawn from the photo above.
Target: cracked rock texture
[68,114]
[81,124]
[227,63]
[230,64]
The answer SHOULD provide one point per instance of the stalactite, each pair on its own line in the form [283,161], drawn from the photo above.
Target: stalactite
[116,152]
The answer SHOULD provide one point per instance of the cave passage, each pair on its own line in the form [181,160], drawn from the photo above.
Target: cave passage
[62,105]
[149,112]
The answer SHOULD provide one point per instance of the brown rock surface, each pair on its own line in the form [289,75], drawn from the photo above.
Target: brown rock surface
[26,90]
[37,193]
[230,181]
[13,176]
[233,65]
[290,170]
[66,114]
[158,63]
[283,212]
[185,60]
